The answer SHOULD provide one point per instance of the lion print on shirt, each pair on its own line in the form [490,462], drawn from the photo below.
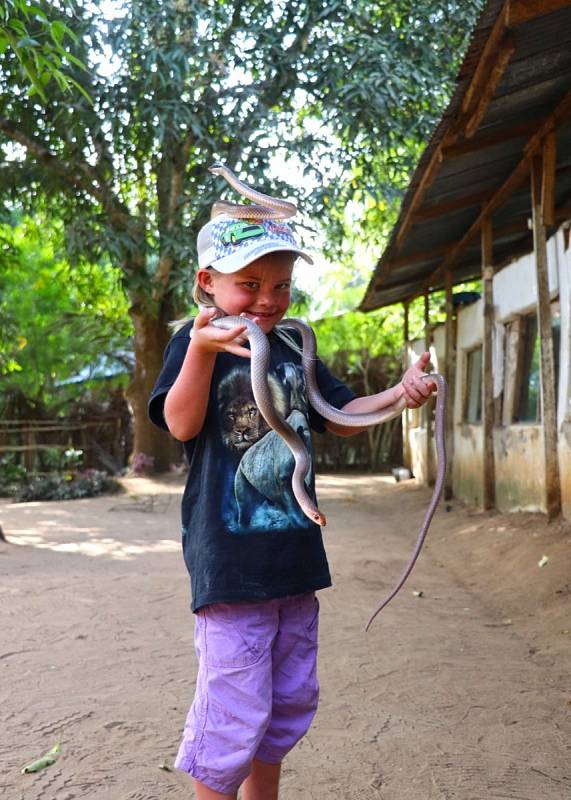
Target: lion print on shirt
[241,422]
[258,494]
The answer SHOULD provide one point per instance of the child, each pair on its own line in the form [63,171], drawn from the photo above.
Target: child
[255,560]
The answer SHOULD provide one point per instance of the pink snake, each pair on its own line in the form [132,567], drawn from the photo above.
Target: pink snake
[260,351]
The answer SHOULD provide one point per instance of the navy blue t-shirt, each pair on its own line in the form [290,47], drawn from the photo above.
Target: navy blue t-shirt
[244,535]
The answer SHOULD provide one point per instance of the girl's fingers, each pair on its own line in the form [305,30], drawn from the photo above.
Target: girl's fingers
[417,392]
[203,317]
[423,388]
[233,333]
[236,350]
[416,388]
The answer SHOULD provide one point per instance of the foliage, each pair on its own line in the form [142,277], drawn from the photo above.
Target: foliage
[365,351]
[317,86]
[11,471]
[341,95]
[39,44]
[69,486]
[68,318]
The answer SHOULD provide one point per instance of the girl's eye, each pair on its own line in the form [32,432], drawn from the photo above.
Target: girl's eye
[284,286]
[251,284]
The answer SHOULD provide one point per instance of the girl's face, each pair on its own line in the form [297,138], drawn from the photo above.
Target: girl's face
[260,291]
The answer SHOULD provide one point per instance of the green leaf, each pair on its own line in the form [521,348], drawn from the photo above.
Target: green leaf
[45,761]
[58,31]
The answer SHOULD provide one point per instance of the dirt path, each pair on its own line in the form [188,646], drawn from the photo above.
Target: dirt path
[463,693]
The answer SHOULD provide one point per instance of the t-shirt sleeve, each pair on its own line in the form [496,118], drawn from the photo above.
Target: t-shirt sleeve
[172,362]
[334,391]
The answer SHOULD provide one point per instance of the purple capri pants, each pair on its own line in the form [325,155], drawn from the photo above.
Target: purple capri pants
[256,690]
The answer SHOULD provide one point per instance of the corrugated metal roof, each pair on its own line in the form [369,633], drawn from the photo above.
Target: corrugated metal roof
[470,170]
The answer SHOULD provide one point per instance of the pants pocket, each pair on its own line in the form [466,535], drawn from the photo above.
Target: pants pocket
[233,635]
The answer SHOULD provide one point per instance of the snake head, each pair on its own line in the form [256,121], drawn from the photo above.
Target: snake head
[217,168]
[319,519]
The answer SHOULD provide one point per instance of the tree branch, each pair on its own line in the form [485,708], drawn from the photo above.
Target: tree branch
[78,174]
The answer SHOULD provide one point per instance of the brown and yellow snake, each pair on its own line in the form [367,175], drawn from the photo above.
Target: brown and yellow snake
[260,361]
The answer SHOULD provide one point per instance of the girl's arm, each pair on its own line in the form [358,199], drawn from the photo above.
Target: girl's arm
[416,391]
[187,399]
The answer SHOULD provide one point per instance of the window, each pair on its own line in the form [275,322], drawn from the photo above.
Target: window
[528,402]
[556,332]
[528,407]
[473,399]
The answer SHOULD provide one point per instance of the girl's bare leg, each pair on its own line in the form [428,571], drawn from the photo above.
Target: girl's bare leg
[202,792]
[263,782]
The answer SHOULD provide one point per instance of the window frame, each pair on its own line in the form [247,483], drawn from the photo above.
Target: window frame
[467,395]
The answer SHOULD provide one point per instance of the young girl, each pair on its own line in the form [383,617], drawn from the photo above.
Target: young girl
[254,559]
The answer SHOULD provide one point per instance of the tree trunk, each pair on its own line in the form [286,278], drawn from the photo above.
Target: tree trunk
[151,337]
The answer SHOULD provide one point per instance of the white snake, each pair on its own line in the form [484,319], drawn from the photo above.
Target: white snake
[260,363]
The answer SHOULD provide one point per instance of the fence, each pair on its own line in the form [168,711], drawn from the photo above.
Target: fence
[105,441]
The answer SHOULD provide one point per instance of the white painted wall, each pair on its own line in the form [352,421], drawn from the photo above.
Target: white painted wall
[514,291]
[515,286]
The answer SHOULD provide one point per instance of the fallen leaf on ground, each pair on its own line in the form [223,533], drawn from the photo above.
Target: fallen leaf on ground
[45,761]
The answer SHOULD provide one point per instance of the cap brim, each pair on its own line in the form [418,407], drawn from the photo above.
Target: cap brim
[241,259]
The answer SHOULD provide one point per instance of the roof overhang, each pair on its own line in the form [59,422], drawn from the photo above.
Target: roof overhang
[512,103]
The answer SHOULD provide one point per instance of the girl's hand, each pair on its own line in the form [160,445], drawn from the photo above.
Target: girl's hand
[209,339]
[413,387]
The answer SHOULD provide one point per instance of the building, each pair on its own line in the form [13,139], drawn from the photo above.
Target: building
[491,199]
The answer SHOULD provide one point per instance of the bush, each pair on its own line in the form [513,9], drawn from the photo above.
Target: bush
[70,486]
[11,475]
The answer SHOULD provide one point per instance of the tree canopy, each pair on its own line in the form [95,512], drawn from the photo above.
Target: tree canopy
[341,95]
[67,317]
[39,44]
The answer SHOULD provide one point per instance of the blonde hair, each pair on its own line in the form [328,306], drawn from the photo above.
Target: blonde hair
[200,297]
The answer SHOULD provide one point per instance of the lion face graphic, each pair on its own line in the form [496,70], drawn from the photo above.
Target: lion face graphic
[241,423]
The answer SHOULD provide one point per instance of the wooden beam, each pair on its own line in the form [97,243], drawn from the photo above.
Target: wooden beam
[520,173]
[493,61]
[488,466]
[548,179]
[428,405]
[513,346]
[563,214]
[426,179]
[497,70]
[450,375]
[521,11]
[519,131]
[544,322]
[449,206]
[407,457]
[487,59]
[404,261]
[486,66]
[506,189]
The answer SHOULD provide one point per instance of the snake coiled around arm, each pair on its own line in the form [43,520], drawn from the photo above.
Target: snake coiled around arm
[260,357]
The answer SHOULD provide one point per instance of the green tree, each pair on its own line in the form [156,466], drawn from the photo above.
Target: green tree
[366,351]
[69,318]
[39,44]
[331,90]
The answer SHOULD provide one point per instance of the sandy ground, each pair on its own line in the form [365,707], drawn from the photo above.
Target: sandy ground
[463,693]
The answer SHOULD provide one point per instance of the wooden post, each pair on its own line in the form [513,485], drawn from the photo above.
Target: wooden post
[407,459]
[450,375]
[488,466]
[548,401]
[549,168]
[428,405]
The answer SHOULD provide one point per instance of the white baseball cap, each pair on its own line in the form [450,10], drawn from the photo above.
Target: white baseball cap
[229,244]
